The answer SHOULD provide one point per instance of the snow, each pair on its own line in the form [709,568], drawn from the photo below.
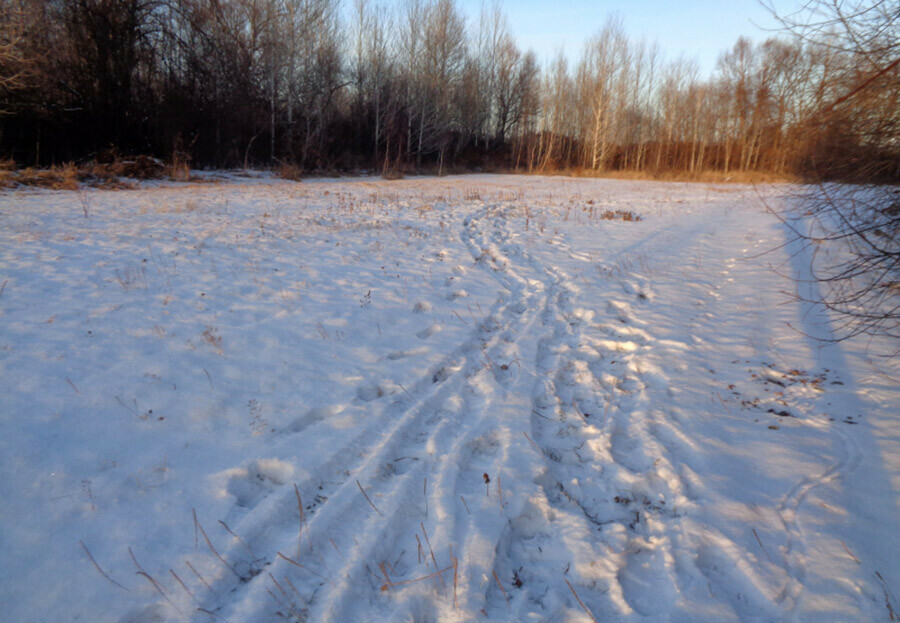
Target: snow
[571,417]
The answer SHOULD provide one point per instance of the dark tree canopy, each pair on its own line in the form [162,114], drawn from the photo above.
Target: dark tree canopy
[418,83]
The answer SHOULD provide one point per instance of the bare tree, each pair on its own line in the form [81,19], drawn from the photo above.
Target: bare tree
[602,72]
[15,66]
[856,227]
[235,81]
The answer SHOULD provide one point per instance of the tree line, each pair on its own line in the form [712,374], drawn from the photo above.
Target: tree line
[417,83]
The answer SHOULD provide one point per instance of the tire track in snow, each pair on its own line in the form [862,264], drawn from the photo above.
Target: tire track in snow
[791,596]
[851,455]
[483,445]
[593,454]
[729,568]
[712,557]
[450,416]
[610,488]
[590,418]
[620,487]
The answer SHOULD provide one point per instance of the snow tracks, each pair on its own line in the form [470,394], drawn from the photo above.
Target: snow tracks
[522,475]
[577,453]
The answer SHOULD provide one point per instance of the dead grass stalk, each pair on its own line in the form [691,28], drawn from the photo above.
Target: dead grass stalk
[97,566]
[366,495]
[580,603]
[159,589]
[502,590]
[183,585]
[215,552]
[304,567]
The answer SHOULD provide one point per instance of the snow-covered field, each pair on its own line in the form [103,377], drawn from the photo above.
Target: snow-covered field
[494,403]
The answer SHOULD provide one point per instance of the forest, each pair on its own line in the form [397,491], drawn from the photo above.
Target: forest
[317,85]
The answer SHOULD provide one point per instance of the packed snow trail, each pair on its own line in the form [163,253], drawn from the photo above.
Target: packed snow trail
[456,399]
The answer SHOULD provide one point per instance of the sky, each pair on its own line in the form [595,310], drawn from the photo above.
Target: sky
[695,29]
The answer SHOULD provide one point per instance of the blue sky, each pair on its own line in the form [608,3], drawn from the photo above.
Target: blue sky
[698,29]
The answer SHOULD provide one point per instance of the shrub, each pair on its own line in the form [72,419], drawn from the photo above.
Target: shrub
[289,171]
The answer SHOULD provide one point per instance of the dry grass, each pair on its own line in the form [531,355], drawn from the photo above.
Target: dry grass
[141,572]
[392,174]
[707,176]
[132,278]
[211,336]
[116,174]
[120,173]
[179,169]
[502,590]
[300,566]
[391,584]
[140,167]
[288,171]
[710,177]
[97,566]
[580,603]
[620,215]
[366,495]
[65,177]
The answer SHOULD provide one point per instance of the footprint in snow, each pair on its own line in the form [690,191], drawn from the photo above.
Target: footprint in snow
[457,294]
[403,354]
[628,450]
[646,582]
[250,484]
[157,613]
[428,331]
[368,393]
[313,416]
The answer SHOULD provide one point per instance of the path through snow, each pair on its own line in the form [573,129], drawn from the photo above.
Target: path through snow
[492,397]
